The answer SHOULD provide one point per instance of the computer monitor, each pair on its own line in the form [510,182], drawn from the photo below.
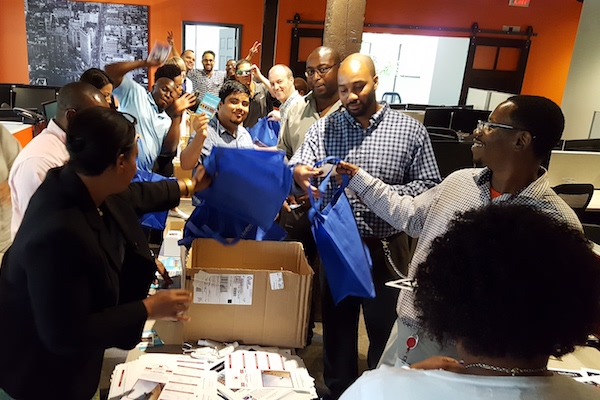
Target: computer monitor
[5,96]
[438,117]
[465,120]
[32,97]
[49,109]
[452,155]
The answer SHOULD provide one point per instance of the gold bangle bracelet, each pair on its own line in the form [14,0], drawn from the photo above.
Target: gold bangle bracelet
[189,186]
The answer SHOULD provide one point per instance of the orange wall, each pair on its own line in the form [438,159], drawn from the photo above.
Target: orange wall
[555,21]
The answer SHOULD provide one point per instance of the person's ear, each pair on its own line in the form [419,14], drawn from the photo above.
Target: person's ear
[120,163]
[70,113]
[219,105]
[375,82]
[524,140]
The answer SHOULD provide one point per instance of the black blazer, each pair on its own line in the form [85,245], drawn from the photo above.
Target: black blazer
[70,288]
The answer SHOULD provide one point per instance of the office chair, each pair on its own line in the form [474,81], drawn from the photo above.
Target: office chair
[576,195]
[391,98]
[592,232]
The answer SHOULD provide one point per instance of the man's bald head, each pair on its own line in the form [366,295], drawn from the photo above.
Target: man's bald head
[75,97]
[281,79]
[357,84]
[324,51]
[355,62]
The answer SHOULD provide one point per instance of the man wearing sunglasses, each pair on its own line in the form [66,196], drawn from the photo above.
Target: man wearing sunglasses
[48,150]
[261,102]
[511,146]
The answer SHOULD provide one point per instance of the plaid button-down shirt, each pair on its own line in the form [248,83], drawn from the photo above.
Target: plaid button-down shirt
[394,148]
[427,216]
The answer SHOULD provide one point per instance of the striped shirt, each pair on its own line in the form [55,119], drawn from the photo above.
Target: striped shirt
[428,215]
[394,147]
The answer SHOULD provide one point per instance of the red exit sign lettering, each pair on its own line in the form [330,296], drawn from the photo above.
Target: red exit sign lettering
[518,3]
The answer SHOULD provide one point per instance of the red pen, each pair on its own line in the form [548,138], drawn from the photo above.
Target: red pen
[122,375]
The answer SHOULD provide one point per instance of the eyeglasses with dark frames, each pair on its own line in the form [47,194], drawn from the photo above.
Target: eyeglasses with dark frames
[129,117]
[322,71]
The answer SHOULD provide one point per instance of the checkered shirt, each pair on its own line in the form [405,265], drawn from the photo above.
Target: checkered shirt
[428,215]
[204,83]
[394,147]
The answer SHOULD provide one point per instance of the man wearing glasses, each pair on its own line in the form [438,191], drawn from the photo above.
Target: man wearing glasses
[321,76]
[395,148]
[208,79]
[511,146]
[48,149]
[261,102]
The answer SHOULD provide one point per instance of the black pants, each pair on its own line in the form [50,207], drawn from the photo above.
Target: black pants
[297,226]
[340,323]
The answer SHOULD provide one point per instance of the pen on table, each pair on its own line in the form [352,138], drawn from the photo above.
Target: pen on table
[121,379]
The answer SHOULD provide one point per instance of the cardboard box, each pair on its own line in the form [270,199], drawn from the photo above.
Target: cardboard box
[171,254]
[252,292]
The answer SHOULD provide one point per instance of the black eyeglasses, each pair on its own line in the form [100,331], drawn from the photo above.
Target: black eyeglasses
[129,117]
[243,72]
[322,71]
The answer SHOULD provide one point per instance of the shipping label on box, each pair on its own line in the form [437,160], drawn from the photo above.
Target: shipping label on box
[223,288]
[272,282]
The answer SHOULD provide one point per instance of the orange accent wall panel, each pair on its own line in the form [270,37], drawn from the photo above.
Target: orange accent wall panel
[555,21]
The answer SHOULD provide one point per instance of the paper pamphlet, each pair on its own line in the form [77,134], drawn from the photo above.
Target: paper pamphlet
[208,105]
[160,52]
[223,288]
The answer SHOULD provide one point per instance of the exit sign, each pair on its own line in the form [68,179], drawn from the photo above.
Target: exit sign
[518,3]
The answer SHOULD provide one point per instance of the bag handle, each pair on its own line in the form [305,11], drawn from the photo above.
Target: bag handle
[315,205]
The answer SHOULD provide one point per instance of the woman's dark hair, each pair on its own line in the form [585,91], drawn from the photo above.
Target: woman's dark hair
[230,87]
[96,77]
[96,137]
[542,118]
[509,281]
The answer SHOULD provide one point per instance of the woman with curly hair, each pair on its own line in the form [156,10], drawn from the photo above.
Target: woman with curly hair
[511,287]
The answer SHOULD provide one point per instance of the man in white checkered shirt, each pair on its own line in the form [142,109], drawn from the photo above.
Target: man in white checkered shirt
[519,135]
[396,149]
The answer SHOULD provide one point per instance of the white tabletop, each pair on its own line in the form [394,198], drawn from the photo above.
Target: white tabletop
[15,127]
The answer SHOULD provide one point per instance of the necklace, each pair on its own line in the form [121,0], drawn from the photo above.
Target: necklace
[512,371]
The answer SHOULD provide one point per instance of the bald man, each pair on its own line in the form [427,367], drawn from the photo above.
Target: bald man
[281,81]
[48,150]
[321,74]
[395,148]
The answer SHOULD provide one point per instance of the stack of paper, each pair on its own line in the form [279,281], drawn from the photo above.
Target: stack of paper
[164,377]
[258,373]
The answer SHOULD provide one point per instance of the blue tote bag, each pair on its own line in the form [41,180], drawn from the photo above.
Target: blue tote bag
[250,185]
[346,258]
[208,222]
[154,220]
[265,132]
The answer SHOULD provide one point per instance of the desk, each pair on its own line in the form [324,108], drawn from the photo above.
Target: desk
[574,167]
[22,132]
[594,205]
